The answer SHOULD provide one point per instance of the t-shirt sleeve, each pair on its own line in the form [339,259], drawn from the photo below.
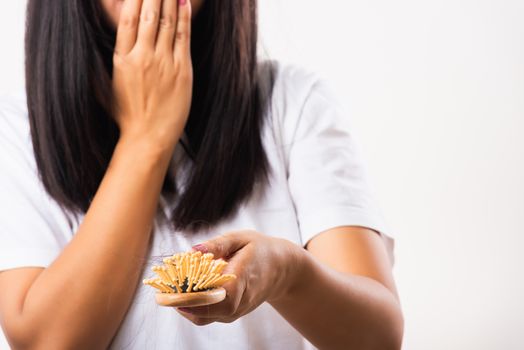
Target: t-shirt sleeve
[32,231]
[326,174]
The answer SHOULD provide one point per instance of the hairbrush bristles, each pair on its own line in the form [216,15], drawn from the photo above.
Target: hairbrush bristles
[188,273]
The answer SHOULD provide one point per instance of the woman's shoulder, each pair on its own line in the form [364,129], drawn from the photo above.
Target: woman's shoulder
[291,82]
[299,95]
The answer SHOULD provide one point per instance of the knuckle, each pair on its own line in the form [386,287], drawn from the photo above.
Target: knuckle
[118,60]
[121,62]
[252,233]
[231,235]
[129,21]
[182,35]
[166,22]
[149,16]
[228,320]
[219,247]
[200,321]
[177,67]
[186,75]
[164,61]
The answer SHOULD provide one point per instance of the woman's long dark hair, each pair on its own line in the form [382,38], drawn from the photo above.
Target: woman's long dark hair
[69,47]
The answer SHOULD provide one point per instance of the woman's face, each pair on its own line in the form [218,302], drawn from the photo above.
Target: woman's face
[112,8]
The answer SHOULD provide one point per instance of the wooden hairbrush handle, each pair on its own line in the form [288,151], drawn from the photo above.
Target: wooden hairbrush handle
[207,297]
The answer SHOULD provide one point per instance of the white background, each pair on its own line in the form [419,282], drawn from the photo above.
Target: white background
[435,90]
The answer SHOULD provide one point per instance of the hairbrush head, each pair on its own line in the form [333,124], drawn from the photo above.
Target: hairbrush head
[190,279]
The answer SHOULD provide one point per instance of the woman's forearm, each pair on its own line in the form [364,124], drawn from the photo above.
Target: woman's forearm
[340,311]
[82,297]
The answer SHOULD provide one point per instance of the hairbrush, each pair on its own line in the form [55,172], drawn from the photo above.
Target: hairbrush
[190,279]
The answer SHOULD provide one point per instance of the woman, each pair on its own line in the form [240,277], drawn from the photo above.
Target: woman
[143,146]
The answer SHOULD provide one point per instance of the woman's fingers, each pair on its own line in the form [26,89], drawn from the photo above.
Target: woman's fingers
[128,26]
[148,27]
[167,27]
[223,310]
[183,31]
[161,25]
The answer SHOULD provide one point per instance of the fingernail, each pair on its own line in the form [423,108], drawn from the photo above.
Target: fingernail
[201,248]
[182,2]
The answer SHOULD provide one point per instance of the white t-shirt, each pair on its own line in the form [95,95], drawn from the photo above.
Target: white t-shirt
[318,183]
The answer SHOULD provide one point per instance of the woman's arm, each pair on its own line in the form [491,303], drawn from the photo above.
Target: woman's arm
[80,300]
[340,295]
[344,297]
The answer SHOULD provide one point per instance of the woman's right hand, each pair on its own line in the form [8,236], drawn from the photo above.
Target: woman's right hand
[153,73]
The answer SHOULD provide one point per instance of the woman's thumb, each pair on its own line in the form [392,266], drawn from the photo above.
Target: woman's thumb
[223,246]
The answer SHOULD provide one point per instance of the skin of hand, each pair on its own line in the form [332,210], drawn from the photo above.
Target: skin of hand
[153,73]
[262,264]
[343,279]
[253,258]
[34,311]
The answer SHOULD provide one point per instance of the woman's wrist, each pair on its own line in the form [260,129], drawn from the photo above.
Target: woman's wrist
[293,267]
[142,146]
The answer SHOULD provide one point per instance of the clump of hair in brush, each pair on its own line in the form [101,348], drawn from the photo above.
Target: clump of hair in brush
[188,273]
